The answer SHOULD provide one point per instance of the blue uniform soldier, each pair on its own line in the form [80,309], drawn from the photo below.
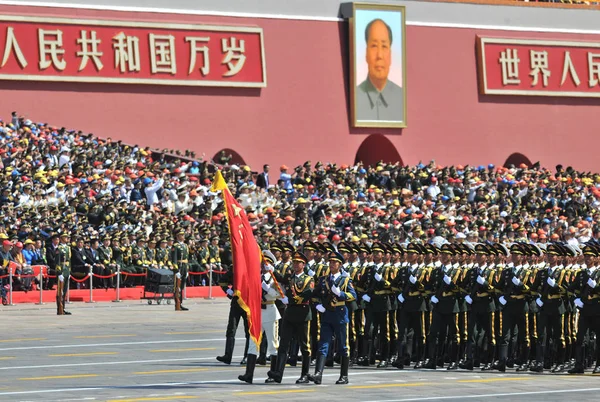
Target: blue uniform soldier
[333,291]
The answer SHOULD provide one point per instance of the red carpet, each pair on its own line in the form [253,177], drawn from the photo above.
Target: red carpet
[101,295]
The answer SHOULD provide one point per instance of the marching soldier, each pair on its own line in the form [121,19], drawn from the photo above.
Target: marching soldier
[444,314]
[548,284]
[586,288]
[179,258]
[409,285]
[271,291]
[63,270]
[296,321]
[334,292]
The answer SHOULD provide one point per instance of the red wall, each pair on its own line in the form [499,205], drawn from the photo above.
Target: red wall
[303,112]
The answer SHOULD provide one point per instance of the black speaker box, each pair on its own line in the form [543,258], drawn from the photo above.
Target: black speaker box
[159,276]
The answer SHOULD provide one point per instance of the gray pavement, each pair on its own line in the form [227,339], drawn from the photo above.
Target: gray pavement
[131,351]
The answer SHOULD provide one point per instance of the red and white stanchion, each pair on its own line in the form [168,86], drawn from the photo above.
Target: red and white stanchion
[10,285]
[118,299]
[210,281]
[91,275]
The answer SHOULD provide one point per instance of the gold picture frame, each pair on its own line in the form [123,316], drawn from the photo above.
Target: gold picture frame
[373,100]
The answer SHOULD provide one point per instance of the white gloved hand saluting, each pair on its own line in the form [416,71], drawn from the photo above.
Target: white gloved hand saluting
[413,279]
[578,303]
[539,302]
[401,298]
[516,281]
[311,272]
[434,300]
[591,283]
[551,282]
[502,300]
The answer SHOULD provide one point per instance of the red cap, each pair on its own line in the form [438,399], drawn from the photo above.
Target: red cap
[19,244]
[336,237]
[7,243]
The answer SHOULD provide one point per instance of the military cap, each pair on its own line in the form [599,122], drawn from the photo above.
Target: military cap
[590,250]
[365,248]
[335,256]
[275,246]
[163,240]
[569,250]
[309,245]
[554,249]
[344,247]
[469,248]
[413,248]
[268,256]
[396,248]
[502,249]
[152,240]
[536,250]
[328,247]
[298,256]
[447,249]
[482,249]
[287,246]
[378,247]
[516,249]
[180,232]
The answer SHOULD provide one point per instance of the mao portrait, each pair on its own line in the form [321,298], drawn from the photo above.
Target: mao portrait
[378,66]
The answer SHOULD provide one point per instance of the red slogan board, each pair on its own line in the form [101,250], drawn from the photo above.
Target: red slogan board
[49,49]
[538,67]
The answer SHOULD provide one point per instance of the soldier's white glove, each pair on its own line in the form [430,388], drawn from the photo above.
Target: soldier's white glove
[480,280]
[516,281]
[434,299]
[378,277]
[229,292]
[578,303]
[311,272]
[61,278]
[178,275]
[285,300]
[447,279]
[320,308]
[401,298]
[591,283]
[265,286]
[468,299]
[413,279]
[366,298]
[539,302]
[336,291]
[502,300]
[551,282]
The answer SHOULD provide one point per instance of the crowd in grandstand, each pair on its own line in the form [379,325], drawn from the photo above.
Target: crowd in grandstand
[109,194]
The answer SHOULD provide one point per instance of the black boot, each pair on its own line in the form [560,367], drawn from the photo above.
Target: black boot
[261,360]
[250,364]
[273,359]
[500,365]
[277,374]
[304,373]
[344,371]
[229,344]
[319,366]
[577,369]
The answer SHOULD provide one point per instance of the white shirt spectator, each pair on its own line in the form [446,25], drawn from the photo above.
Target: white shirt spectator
[151,197]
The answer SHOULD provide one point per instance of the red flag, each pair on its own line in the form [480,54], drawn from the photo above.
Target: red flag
[246,258]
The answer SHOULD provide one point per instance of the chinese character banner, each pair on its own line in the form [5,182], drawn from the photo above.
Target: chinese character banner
[538,67]
[47,49]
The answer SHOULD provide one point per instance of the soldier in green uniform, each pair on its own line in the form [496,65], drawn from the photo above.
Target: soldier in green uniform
[180,255]
[163,255]
[105,254]
[126,267]
[215,256]
[150,253]
[63,271]
[204,260]
[138,259]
